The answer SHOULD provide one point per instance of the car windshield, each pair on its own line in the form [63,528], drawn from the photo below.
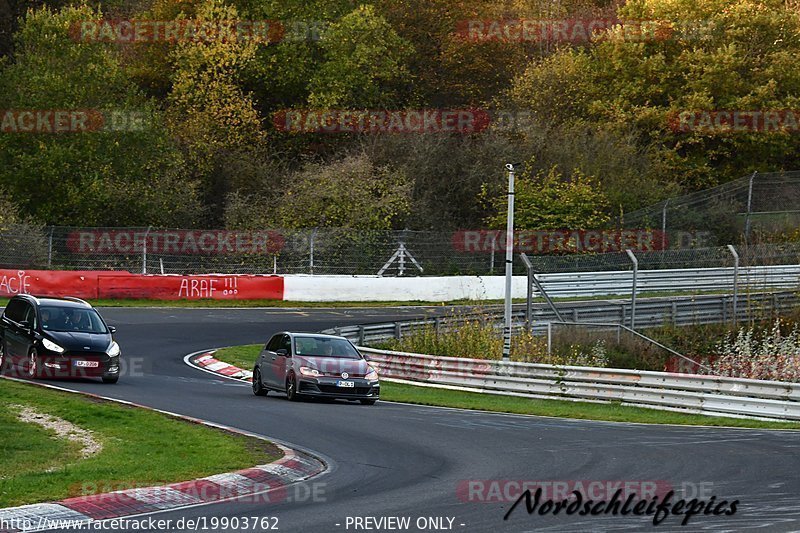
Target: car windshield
[71,319]
[325,347]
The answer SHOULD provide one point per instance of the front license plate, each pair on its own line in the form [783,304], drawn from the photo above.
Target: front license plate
[345,384]
[87,364]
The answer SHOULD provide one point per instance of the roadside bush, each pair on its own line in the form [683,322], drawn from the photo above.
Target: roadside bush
[478,338]
[760,354]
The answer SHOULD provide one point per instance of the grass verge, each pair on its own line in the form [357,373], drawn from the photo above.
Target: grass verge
[241,356]
[140,448]
[245,356]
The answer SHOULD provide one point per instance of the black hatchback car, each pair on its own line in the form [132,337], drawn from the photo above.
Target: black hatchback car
[309,365]
[57,338]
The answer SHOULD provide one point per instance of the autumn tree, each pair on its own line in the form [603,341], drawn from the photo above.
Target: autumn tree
[116,174]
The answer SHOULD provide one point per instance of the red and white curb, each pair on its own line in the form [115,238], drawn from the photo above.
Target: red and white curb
[206,361]
[259,484]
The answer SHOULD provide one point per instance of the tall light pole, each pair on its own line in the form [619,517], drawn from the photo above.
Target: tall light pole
[509,262]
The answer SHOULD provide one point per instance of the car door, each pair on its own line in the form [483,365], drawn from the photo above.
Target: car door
[14,337]
[280,360]
[267,360]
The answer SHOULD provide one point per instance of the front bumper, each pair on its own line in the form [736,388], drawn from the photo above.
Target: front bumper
[80,365]
[326,387]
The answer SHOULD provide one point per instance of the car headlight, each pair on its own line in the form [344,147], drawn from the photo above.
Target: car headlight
[53,347]
[308,371]
[113,350]
[372,375]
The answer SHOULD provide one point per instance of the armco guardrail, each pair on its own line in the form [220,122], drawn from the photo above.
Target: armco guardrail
[709,395]
[589,284]
[650,312]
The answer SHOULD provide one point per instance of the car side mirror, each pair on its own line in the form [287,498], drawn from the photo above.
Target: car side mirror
[26,326]
[112,329]
[282,352]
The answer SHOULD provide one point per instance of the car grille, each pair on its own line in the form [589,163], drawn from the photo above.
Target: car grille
[344,391]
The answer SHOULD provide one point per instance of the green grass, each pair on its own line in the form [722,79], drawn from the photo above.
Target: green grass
[241,356]
[244,356]
[614,412]
[140,448]
[28,448]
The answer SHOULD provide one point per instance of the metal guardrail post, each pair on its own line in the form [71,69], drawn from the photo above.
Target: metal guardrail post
[633,288]
[398,332]
[735,282]
[360,335]
[549,338]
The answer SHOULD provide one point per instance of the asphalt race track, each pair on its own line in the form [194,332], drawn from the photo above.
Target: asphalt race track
[393,460]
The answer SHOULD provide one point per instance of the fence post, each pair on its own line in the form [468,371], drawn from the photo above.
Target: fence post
[735,281]
[491,260]
[749,209]
[633,287]
[144,250]
[50,249]
[549,338]
[311,240]
[664,225]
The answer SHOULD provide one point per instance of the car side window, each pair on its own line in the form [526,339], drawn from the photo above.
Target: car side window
[30,315]
[274,343]
[15,310]
[286,344]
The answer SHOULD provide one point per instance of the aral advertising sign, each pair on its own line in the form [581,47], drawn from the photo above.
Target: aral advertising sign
[177,242]
[560,241]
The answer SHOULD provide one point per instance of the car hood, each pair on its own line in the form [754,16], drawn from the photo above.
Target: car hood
[74,341]
[331,366]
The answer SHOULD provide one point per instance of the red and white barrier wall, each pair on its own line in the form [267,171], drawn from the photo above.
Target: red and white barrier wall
[94,284]
[114,284]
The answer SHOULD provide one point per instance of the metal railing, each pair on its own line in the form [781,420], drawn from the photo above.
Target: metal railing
[708,395]
[651,312]
[590,284]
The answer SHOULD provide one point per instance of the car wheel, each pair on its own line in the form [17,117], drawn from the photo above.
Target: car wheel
[291,389]
[110,379]
[258,387]
[33,364]
[368,402]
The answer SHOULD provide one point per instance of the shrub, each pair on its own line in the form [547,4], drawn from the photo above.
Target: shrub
[770,354]
[477,337]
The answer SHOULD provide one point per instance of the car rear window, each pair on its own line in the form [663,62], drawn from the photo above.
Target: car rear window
[325,347]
